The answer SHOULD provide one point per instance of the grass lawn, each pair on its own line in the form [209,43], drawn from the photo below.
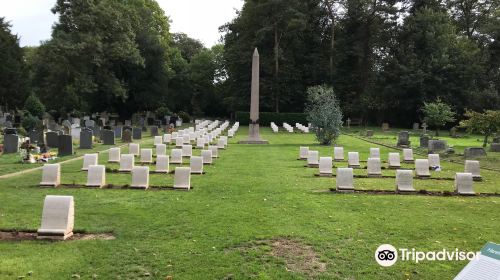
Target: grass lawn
[229,224]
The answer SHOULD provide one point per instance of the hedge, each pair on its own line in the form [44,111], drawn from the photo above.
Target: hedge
[278,118]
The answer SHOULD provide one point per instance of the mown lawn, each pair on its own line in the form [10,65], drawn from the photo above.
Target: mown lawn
[225,226]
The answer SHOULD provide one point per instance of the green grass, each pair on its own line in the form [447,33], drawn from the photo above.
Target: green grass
[252,193]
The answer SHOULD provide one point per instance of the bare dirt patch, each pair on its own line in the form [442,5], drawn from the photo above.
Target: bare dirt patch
[31,235]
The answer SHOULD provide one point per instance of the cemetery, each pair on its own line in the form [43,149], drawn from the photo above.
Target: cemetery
[296,147]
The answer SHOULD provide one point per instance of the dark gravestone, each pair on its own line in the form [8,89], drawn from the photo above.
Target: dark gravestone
[118,132]
[495,148]
[416,126]
[127,136]
[86,139]
[369,133]
[474,152]
[154,131]
[36,136]
[97,131]
[10,144]
[52,139]
[89,123]
[496,139]
[108,137]
[10,130]
[65,145]
[424,141]
[437,146]
[404,139]
[137,133]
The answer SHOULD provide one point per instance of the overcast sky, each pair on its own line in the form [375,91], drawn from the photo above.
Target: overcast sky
[200,19]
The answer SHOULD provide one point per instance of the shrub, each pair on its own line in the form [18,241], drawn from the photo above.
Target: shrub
[30,122]
[162,111]
[437,114]
[184,116]
[34,106]
[324,113]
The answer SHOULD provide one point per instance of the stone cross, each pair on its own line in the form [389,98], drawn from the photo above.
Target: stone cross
[254,134]
[424,126]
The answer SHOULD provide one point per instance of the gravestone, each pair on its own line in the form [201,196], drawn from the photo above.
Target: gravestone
[97,131]
[200,143]
[52,139]
[464,184]
[374,167]
[496,139]
[325,166]
[162,164]
[10,130]
[114,155]
[108,137]
[403,139]
[36,137]
[127,136]
[146,155]
[128,122]
[375,152]
[408,156]
[96,176]
[137,133]
[187,150]
[88,160]
[369,133]
[118,132]
[338,153]
[385,127]
[161,150]
[422,168]
[207,156]
[167,138]
[221,144]
[86,139]
[453,132]
[345,180]
[154,131]
[424,128]
[176,156]
[353,160]
[65,147]
[472,166]
[182,178]
[89,123]
[416,126]
[424,141]
[495,148]
[158,140]
[179,141]
[51,175]
[215,151]
[134,149]
[404,181]
[436,146]
[394,161]
[10,144]
[58,218]
[313,159]
[434,160]
[474,152]
[140,177]
[303,151]
[196,165]
[126,163]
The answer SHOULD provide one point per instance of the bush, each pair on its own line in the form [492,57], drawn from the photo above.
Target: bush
[162,112]
[324,113]
[184,116]
[30,122]
[267,117]
[34,106]
[438,114]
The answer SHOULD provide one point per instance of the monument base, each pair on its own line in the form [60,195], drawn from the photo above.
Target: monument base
[254,136]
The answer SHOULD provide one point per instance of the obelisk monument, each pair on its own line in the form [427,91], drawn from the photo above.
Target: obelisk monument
[253,129]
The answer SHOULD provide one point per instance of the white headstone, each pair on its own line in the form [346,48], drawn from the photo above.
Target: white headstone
[88,160]
[338,153]
[394,160]
[200,143]
[51,175]
[345,179]
[187,150]
[472,166]
[96,176]
[176,156]
[134,149]
[179,141]
[303,151]
[114,155]
[182,178]
[220,144]
[140,177]
[374,167]
[162,164]
[146,155]
[464,184]
[422,168]
[126,163]
[215,151]
[158,140]
[58,218]
[161,150]
[207,156]
[186,139]
[313,159]
[353,159]
[434,160]
[404,181]
[325,166]
[408,155]
[196,165]
[167,138]
[374,152]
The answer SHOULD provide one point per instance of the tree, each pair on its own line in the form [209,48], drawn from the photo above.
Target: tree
[437,114]
[324,113]
[486,123]
[34,106]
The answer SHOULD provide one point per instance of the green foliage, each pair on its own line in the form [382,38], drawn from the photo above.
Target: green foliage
[265,118]
[30,122]
[324,113]
[163,111]
[486,123]
[437,114]
[186,118]
[34,106]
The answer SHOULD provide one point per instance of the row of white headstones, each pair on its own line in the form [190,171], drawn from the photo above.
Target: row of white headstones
[404,178]
[58,211]
[289,128]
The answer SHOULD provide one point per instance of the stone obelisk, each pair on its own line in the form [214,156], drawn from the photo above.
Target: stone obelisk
[253,129]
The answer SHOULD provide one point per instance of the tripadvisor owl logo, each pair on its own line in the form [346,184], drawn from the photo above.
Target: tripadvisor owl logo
[386,255]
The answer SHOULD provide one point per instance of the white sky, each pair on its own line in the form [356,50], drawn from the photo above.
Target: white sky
[32,19]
